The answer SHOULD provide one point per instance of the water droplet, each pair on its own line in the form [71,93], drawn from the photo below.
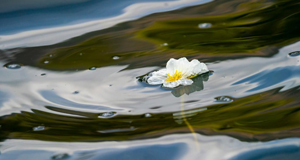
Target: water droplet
[294,54]
[39,128]
[224,99]
[165,44]
[116,57]
[60,156]
[92,68]
[43,74]
[75,92]
[12,66]
[107,115]
[204,25]
[148,115]
[46,62]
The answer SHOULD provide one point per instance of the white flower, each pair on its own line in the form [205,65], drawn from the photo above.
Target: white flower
[177,72]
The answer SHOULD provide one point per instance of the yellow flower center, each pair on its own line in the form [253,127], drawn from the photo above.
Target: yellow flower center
[176,76]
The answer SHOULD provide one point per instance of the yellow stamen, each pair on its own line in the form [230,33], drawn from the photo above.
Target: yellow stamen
[193,76]
[176,76]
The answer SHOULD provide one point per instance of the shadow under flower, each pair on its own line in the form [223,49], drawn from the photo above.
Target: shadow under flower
[196,86]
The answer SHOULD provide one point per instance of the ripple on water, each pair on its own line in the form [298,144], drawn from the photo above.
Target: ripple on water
[92,68]
[60,156]
[59,100]
[13,66]
[76,92]
[204,25]
[148,115]
[107,115]
[224,99]
[38,128]
[116,57]
[294,54]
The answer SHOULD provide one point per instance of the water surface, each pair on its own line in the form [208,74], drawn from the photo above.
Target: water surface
[72,88]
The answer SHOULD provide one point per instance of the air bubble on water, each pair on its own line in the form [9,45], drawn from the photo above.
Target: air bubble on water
[92,68]
[224,99]
[107,115]
[148,115]
[12,66]
[116,57]
[204,25]
[294,54]
[46,62]
[60,156]
[39,128]
[43,74]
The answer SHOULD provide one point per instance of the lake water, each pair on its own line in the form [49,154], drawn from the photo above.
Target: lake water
[72,87]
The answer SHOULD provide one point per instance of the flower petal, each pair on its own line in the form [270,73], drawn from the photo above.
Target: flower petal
[157,77]
[171,66]
[186,82]
[184,67]
[181,65]
[171,84]
[160,73]
[198,68]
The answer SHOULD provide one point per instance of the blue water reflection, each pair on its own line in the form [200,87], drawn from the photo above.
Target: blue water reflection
[151,152]
[288,152]
[269,78]
[157,152]
[170,147]
[16,18]
[3,98]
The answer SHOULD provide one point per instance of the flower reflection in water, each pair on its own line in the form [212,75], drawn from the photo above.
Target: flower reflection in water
[196,86]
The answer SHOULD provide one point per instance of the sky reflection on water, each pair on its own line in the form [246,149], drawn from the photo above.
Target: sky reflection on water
[170,147]
[43,35]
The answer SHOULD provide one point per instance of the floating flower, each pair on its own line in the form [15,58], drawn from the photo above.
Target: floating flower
[177,72]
